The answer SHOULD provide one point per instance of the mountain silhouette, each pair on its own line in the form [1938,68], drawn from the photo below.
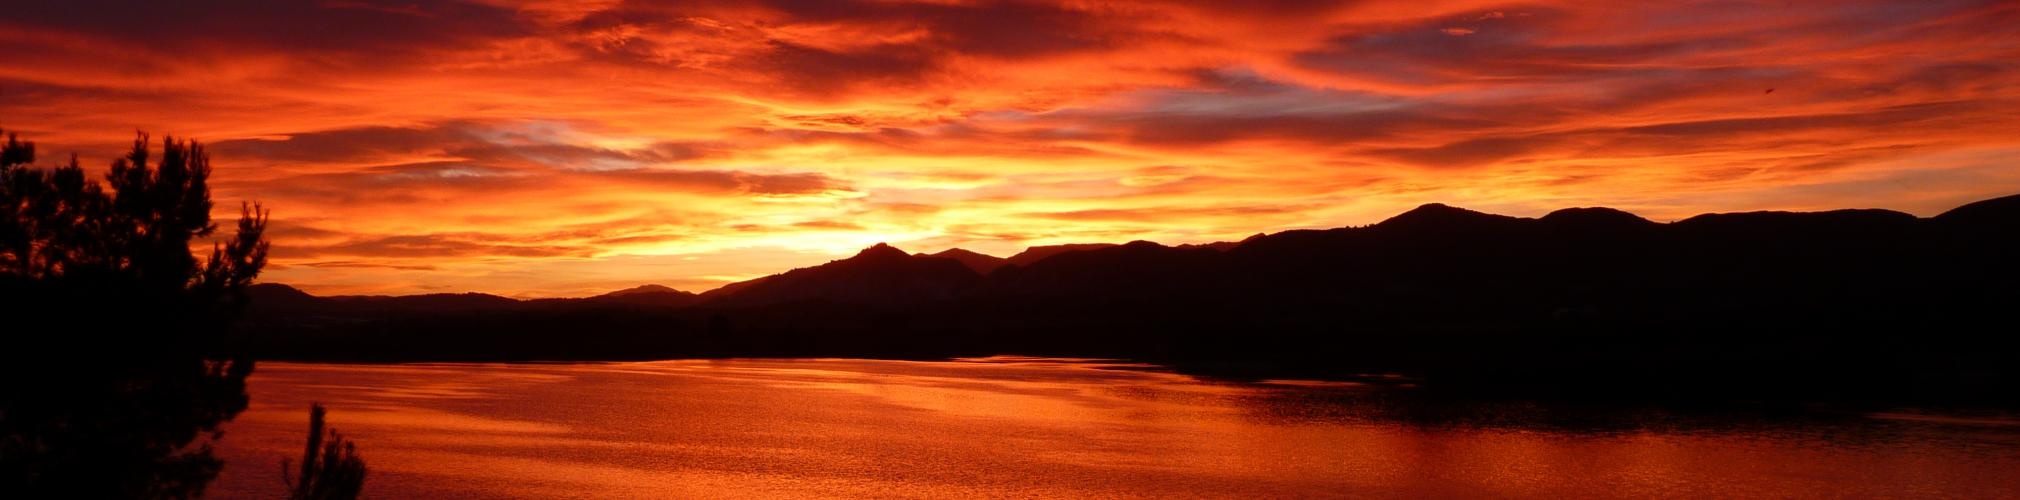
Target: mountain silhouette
[2001,211]
[982,264]
[1132,271]
[1440,219]
[274,298]
[638,296]
[1838,304]
[427,303]
[1217,246]
[271,296]
[644,290]
[1595,220]
[1989,220]
[1038,253]
[879,275]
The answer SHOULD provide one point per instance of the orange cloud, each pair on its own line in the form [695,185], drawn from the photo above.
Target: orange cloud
[565,148]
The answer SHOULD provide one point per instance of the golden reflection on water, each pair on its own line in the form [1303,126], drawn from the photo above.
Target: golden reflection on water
[1028,427]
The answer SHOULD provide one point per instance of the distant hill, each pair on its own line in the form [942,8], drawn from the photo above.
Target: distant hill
[644,290]
[879,275]
[982,264]
[1437,219]
[1038,253]
[1596,219]
[639,296]
[1995,218]
[1139,270]
[1218,245]
[269,295]
[1839,304]
[278,299]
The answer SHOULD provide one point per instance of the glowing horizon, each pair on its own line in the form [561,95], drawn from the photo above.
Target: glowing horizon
[573,148]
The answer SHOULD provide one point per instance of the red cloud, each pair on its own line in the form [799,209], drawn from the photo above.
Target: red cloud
[478,145]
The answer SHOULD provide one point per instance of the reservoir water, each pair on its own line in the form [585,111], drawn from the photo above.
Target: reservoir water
[1054,428]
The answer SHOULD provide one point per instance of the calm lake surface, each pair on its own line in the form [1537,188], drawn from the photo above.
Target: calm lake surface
[1023,427]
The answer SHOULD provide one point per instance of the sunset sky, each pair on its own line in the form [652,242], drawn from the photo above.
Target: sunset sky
[572,148]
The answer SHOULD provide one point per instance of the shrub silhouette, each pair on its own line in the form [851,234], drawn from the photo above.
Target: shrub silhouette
[113,352]
[330,466]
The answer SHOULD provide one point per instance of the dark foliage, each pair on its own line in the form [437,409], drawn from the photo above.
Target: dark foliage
[115,381]
[330,468]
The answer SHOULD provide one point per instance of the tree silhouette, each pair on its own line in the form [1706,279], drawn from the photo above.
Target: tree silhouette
[330,469]
[118,379]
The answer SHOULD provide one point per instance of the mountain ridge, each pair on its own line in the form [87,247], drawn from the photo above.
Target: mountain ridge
[1586,303]
[1429,220]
